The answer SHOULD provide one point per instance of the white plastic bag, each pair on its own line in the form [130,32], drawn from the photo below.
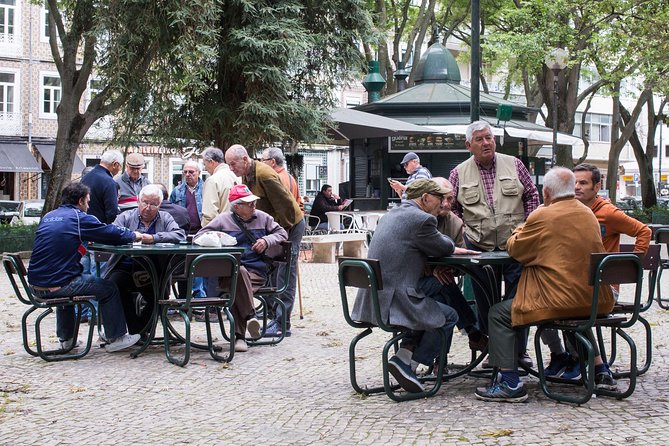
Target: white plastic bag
[215,239]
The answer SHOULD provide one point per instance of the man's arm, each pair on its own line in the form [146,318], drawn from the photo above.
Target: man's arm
[531,194]
[209,202]
[624,224]
[454,179]
[169,232]
[285,207]
[92,230]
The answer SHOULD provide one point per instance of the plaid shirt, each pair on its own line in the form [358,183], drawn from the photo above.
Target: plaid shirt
[530,195]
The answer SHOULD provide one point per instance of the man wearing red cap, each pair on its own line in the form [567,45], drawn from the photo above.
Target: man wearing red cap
[255,231]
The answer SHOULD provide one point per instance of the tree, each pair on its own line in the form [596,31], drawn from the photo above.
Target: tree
[271,77]
[120,43]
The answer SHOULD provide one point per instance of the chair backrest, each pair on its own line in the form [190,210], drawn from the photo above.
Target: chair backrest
[16,273]
[220,264]
[651,260]
[661,234]
[360,273]
[312,221]
[615,268]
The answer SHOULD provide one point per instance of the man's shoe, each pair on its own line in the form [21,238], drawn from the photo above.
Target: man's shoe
[241,346]
[524,359]
[502,392]
[559,364]
[67,344]
[201,317]
[125,341]
[573,372]
[404,375]
[604,381]
[253,327]
[273,330]
[480,344]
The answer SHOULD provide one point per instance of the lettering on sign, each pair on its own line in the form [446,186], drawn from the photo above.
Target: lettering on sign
[427,143]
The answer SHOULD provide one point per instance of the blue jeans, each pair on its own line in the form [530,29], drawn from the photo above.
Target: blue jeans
[88,262]
[288,297]
[108,297]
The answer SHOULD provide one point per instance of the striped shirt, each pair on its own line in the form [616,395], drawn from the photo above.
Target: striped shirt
[530,195]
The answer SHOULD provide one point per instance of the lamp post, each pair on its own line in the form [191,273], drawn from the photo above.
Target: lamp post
[556,60]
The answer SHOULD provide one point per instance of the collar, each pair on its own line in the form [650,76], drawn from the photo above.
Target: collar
[492,165]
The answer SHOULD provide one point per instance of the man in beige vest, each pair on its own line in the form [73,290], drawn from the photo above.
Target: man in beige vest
[494,193]
[217,187]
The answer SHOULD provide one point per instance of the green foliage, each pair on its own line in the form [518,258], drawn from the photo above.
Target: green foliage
[17,238]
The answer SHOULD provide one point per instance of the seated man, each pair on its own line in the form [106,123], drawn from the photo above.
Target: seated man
[257,232]
[155,227]
[439,282]
[554,247]
[404,238]
[55,268]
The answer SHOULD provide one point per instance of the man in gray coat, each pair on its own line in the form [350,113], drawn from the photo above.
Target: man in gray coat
[410,229]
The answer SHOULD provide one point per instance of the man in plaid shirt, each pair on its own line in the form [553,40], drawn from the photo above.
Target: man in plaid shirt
[494,193]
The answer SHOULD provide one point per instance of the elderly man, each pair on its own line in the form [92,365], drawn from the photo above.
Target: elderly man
[410,229]
[132,180]
[494,193]
[217,187]
[276,200]
[553,283]
[104,190]
[188,194]
[255,231]
[439,282]
[612,223]
[411,164]
[274,158]
[155,226]
[55,269]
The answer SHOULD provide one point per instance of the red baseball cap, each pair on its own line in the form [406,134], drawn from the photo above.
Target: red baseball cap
[242,192]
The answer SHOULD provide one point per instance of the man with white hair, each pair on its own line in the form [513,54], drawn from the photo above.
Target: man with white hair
[132,180]
[554,281]
[217,187]
[188,194]
[156,227]
[256,232]
[104,190]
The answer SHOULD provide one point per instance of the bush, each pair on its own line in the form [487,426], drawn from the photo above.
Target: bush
[17,238]
[655,215]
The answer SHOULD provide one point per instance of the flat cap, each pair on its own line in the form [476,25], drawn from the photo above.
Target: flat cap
[135,160]
[409,157]
[424,186]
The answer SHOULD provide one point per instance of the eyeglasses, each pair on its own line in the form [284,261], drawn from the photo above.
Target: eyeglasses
[149,205]
[189,171]
[265,159]
[251,204]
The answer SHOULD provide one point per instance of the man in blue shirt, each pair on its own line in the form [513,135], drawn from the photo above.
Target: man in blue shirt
[55,268]
[188,194]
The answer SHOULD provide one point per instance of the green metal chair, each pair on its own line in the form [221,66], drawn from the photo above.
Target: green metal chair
[650,262]
[662,236]
[204,265]
[605,270]
[269,295]
[17,275]
[366,274]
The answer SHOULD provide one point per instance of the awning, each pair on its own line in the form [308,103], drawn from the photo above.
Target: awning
[47,151]
[353,124]
[15,157]
[534,136]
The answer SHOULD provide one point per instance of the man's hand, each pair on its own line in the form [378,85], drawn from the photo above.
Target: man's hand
[138,236]
[443,274]
[259,246]
[147,239]
[461,251]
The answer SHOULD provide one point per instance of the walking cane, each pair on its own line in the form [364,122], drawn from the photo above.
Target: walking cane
[299,287]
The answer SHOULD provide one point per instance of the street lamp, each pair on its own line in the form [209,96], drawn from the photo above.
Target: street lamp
[556,60]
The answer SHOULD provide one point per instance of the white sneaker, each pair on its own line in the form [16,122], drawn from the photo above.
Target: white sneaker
[240,346]
[253,327]
[125,341]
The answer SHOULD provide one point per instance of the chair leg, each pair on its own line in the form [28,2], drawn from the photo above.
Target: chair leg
[352,369]
[631,375]
[186,338]
[663,303]
[57,354]
[210,341]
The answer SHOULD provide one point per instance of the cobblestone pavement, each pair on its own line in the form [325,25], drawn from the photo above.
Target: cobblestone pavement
[295,393]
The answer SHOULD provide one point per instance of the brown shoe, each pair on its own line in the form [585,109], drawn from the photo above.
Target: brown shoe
[480,344]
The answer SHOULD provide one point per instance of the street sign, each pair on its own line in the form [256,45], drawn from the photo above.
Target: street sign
[636,177]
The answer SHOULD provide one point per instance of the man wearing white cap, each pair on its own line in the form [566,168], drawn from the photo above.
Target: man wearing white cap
[256,232]
[132,181]
[411,164]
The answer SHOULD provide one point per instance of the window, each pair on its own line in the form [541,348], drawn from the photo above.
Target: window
[597,127]
[94,87]
[51,93]
[7,81]
[7,21]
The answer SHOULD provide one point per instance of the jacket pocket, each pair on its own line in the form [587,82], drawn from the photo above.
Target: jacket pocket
[509,186]
[470,193]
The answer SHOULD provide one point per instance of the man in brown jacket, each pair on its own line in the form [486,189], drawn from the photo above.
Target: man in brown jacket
[554,282]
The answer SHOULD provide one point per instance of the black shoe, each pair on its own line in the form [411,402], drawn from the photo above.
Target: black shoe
[604,380]
[404,375]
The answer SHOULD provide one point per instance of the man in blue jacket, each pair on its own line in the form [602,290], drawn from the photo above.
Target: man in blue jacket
[55,268]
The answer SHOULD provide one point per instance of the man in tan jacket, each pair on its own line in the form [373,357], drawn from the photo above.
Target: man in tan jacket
[554,281]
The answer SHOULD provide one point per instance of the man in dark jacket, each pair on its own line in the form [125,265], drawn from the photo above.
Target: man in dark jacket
[104,190]
[326,201]
[55,268]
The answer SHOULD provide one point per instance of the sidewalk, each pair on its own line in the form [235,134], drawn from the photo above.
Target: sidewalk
[296,393]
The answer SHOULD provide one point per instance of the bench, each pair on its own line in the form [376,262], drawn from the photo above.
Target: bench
[324,246]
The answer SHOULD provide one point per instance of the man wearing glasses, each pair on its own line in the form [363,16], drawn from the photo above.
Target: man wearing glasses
[132,180]
[156,227]
[188,194]
[217,187]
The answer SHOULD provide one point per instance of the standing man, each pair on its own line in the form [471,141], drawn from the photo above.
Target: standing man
[411,164]
[553,283]
[217,187]
[402,242]
[132,180]
[104,190]
[274,158]
[55,268]
[188,194]
[255,232]
[277,201]
[494,193]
